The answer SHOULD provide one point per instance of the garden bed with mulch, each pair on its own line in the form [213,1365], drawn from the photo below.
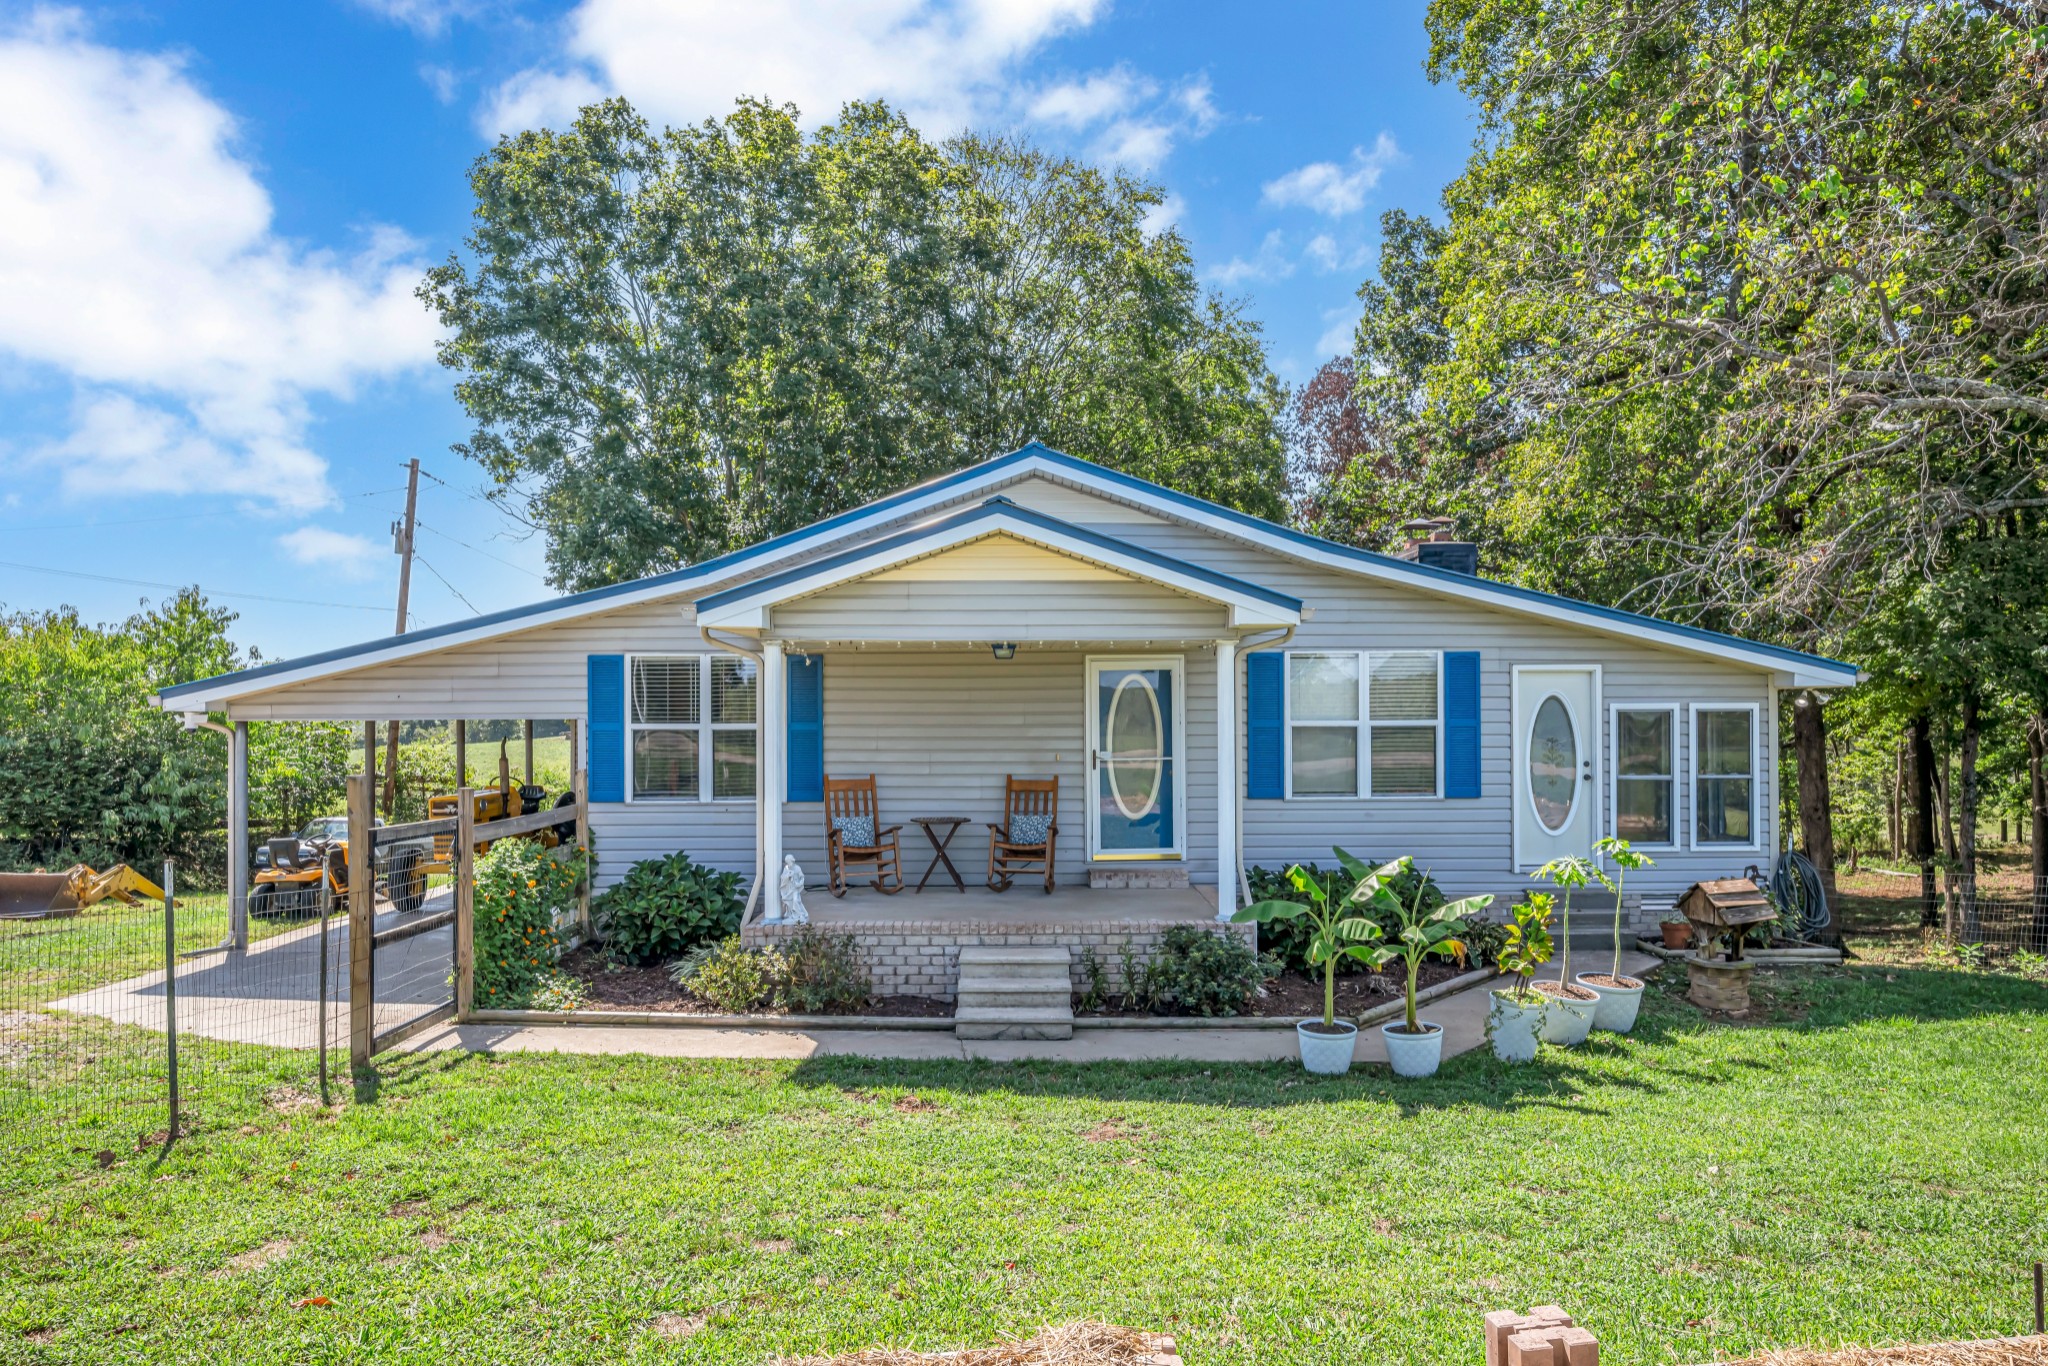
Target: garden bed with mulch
[1296,995]
[613,986]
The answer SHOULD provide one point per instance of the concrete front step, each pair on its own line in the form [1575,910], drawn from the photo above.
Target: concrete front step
[1007,955]
[1012,1022]
[1014,992]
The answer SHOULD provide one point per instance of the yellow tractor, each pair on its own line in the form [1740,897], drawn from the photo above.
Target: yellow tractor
[46,896]
[295,874]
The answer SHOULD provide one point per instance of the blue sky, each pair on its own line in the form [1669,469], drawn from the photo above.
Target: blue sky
[212,217]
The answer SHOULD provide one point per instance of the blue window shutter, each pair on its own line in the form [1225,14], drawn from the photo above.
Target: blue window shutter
[605,705]
[1264,745]
[806,733]
[1461,723]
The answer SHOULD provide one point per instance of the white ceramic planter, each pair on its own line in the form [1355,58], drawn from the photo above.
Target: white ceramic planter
[1413,1055]
[1329,1054]
[1616,1012]
[1568,1022]
[1513,1026]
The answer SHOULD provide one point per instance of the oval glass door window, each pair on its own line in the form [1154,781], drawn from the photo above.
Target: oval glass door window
[1135,746]
[1553,764]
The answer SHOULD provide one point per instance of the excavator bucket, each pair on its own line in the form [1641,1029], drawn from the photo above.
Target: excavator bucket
[36,896]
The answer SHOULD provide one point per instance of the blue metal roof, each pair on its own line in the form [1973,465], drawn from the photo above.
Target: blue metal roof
[736,560]
[985,511]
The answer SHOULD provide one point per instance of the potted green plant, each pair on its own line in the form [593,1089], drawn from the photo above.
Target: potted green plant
[1415,1047]
[1572,1018]
[1515,1019]
[1329,1044]
[1620,997]
[1677,932]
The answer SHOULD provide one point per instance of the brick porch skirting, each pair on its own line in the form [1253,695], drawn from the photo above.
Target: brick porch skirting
[922,957]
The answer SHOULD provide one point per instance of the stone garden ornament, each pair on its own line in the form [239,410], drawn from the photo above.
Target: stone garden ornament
[789,895]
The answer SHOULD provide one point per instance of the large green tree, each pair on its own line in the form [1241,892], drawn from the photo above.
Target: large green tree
[676,343]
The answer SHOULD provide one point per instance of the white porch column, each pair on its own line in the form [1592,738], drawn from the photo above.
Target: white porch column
[1226,778]
[771,780]
[238,835]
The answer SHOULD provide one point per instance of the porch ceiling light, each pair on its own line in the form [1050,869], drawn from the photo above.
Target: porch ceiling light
[1005,649]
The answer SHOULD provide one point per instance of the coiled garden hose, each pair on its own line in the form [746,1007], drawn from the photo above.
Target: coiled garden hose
[1796,888]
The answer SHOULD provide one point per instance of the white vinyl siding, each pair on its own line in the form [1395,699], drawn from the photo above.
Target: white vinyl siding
[1364,723]
[1646,774]
[1724,777]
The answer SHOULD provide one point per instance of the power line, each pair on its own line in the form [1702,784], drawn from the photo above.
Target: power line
[485,553]
[158,521]
[180,587]
[444,580]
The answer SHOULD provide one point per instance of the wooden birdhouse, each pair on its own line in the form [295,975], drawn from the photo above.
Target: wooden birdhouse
[1727,906]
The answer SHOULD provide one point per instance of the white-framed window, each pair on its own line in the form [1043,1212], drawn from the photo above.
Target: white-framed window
[1724,775]
[1364,723]
[692,727]
[1645,749]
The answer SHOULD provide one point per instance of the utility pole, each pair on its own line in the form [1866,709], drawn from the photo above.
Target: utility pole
[401,544]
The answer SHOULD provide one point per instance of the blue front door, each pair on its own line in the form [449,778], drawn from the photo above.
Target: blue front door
[1134,763]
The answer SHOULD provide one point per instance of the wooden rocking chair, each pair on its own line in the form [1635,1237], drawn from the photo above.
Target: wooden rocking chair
[853,798]
[1031,797]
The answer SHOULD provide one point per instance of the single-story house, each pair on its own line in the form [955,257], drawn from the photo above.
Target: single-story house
[1212,691]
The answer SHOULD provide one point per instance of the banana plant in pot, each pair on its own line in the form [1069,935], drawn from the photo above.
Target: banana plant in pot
[1415,1047]
[1620,997]
[1572,1005]
[1329,1044]
[1514,1022]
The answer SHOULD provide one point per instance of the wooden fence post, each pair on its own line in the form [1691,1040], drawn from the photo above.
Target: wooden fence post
[362,924]
[465,903]
[581,780]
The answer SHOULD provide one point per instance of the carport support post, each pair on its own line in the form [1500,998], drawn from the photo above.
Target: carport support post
[462,754]
[238,835]
[362,918]
[1226,779]
[465,904]
[526,731]
[579,779]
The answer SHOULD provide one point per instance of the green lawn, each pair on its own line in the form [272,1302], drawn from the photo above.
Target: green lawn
[1865,1165]
[43,960]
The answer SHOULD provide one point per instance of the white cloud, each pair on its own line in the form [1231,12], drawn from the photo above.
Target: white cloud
[1270,262]
[442,80]
[1166,214]
[138,261]
[1334,190]
[1340,326]
[428,18]
[1329,255]
[941,61]
[351,556]
[1080,103]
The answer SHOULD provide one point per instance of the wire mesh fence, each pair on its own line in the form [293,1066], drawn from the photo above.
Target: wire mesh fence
[119,1019]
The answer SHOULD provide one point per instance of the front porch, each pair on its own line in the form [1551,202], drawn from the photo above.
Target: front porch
[912,940]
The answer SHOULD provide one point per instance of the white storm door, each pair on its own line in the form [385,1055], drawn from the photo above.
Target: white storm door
[1134,758]
[1556,763]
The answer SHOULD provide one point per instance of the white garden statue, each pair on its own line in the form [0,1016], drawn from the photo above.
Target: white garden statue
[789,888]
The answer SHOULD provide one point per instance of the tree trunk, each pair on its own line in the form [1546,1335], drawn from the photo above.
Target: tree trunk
[1971,927]
[1816,826]
[1896,826]
[1922,742]
[2037,835]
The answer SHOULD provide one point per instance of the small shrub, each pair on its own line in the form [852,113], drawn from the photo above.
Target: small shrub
[1097,978]
[732,977]
[558,991]
[1484,940]
[520,891]
[1198,972]
[664,907]
[820,973]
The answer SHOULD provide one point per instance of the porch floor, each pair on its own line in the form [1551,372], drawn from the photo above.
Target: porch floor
[982,909]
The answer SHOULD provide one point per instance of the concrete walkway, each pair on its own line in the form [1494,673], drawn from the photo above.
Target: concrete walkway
[1462,1015]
